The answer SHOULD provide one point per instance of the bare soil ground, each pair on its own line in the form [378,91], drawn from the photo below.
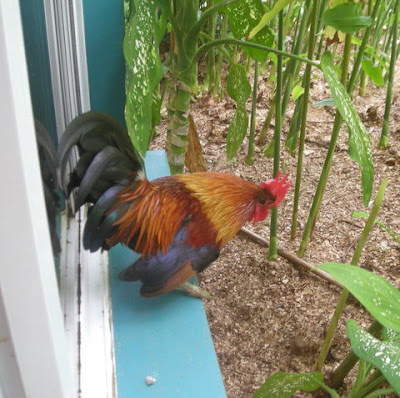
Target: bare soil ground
[270,316]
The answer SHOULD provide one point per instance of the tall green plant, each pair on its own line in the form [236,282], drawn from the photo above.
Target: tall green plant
[359,144]
[384,139]
[345,293]
[143,69]
[273,238]
[184,35]
[304,109]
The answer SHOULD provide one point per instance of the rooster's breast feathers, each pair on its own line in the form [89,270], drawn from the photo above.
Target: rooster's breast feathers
[211,206]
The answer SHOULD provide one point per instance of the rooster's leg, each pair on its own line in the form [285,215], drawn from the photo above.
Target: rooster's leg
[195,291]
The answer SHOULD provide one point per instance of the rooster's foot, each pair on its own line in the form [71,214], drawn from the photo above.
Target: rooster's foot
[195,291]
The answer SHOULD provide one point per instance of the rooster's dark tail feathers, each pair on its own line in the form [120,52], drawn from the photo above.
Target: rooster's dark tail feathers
[107,164]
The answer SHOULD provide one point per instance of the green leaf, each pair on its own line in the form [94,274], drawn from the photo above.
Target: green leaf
[243,16]
[325,102]
[237,85]
[379,56]
[143,71]
[375,293]
[269,16]
[270,149]
[297,92]
[358,214]
[384,355]
[239,89]
[236,131]
[282,385]
[390,335]
[359,142]
[346,17]
[373,72]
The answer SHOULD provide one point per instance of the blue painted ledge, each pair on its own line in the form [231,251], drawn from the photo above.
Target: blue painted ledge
[167,337]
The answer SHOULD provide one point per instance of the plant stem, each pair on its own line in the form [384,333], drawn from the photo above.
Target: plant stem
[273,240]
[267,122]
[244,43]
[211,67]
[328,160]
[319,26]
[337,377]
[345,293]
[335,131]
[304,108]
[291,69]
[196,27]
[250,153]
[184,78]
[374,381]
[293,134]
[363,368]
[363,78]
[380,393]
[384,139]
[361,50]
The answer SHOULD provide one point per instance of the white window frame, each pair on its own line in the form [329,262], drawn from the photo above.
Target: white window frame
[84,283]
[37,363]
[38,357]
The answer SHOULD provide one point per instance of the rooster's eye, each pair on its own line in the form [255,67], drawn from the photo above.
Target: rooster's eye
[263,200]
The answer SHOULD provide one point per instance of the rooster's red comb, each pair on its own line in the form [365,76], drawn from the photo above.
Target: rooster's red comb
[277,187]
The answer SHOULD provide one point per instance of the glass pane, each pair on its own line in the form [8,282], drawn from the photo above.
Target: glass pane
[37,55]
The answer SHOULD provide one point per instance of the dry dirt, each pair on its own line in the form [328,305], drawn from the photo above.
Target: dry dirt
[271,316]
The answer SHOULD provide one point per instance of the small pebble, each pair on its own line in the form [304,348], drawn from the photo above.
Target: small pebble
[149,380]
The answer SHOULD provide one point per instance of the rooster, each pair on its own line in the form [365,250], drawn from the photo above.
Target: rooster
[177,223]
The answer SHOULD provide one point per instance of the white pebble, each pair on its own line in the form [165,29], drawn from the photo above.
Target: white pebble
[149,380]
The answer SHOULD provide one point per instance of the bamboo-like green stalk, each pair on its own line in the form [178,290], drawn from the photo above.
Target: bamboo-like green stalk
[328,160]
[294,128]
[319,27]
[290,70]
[183,79]
[267,122]
[273,239]
[363,78]
[336,127]
[345,293]
[211,65]
[360,53]
[304,110]
[186,26]
[250,152]
[382,18]
[387,42]
[384,139]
